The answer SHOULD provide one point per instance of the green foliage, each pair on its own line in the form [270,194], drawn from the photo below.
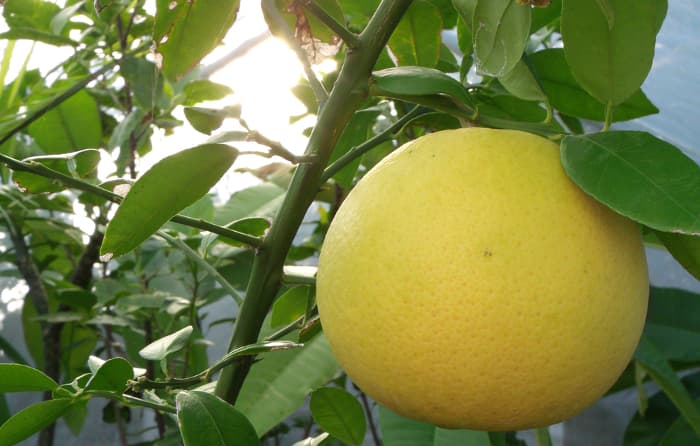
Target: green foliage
[136,331]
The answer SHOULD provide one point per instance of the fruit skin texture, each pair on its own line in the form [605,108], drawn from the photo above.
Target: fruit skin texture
[467,282]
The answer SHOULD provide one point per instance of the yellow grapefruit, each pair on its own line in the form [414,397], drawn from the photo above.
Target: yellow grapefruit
[467,282]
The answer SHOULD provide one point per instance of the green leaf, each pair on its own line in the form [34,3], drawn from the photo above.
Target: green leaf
[418,81]
[167,345]
[200,90]
[357,131]
[522,83]
[672,324]
[639,176]
[77,343]
[416,40]
[339,414]
[111,376]
[22,378]
[95,362]
[658,368]
[545,16]
[261,200]
[81,164]
[187,31]
[168,187]
[278,384]
[144,79]
[290,306]
[680,433]
[684,248]
[649,428]
[4,410]
[206,420]
[31,420]
[566,95]
[400,431]
[73,125]
[205,120]
[609,44]
[500,31]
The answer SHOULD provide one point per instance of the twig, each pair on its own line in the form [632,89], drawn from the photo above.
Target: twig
[319,90]
[276,149]
[371,143]
[206,266]
[74,183]
[351,39]
[370,418]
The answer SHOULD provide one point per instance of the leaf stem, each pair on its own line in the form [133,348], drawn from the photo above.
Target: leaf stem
[608,116]
[202,263]
[371,143]
[542,436]
[351,39]
[271,10]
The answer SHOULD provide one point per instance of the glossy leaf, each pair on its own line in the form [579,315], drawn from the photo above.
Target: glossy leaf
[167,345]
[111,376]
[22,378]
[500,31]
[566,95]
[339,414]
[73,125]
[416,40]
[609,44]
[522,83]
[206,420]
[648,356]
[81,164]
[255,226]
[95,362]
[400,431]
[418,81]
[32,419]
[672,324]
[685,249]
[290,306]
[279,383]
[168,187]
[187,31]
[639,176]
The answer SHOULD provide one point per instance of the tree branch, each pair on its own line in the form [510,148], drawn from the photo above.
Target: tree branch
[349,91]
[74,183]
[350,39]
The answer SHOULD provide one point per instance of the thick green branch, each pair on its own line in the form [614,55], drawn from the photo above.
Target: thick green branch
[348,93]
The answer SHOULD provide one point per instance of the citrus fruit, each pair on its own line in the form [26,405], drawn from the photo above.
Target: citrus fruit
[467,282]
